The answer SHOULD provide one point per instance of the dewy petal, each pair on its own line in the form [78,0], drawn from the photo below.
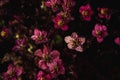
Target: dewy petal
[64,27]
[68,39]
[99,40]
[38,53]
[79,48]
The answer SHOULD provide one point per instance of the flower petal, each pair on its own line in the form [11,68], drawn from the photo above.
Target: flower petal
[79,48]
[68,39]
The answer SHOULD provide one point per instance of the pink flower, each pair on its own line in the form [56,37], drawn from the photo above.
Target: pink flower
[86,12]
[104,13]
[56,68]
[53,4]
[20,45]
[117,40]
[46,56]
[68,4]
[75,42]
[100,31]
[43,76]
[12,73]
[39,36]
[59,23]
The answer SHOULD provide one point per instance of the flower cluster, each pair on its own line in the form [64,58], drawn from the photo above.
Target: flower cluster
[37,37]
[50,62]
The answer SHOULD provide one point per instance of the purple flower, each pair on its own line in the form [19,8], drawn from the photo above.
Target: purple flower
[68,4]
[43,76]
[59,23]
[100,32]
[46,56]
[39,36]
[86,12]
[13,73]
[117,40]
[53,4]
[104,13]
[75,42]
[56,68]
[20,45]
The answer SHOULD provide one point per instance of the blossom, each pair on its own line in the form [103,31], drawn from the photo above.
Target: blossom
[67,4]
[56,68]
[43,76]
[12,72]
[20,45]
[4,32]
[39,36]
[86,12]
[59,23]
[75,42]
[104,13]
[46,56]
[117,40]
[53,4]
[100,32]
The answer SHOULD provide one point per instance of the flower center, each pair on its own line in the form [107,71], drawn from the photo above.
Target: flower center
[103,11]
[75,43]
[12,74]
[98,32]
[40,38]
[42,78]
[3,33]
[60,23]
[47,58]
[84,12]
[56,68]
